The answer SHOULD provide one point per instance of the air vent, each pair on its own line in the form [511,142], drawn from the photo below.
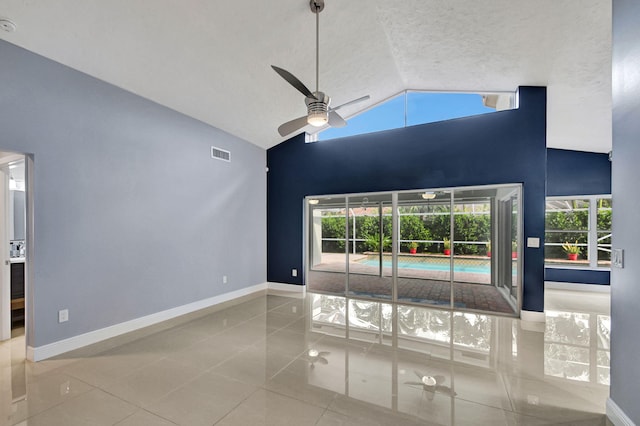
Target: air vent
[220,154]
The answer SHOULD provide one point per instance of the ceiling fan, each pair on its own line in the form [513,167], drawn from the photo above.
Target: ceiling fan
[318,111]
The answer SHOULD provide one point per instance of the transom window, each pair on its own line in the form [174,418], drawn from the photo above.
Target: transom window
[410,108]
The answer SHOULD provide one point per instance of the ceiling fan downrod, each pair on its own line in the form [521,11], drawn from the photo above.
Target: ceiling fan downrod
[317,6]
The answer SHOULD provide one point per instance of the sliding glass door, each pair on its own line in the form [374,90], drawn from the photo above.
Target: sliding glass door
[327,244]
[370,246]
[424,252]
[507,237]
[456,248]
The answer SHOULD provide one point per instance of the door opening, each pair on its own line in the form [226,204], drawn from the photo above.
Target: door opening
[13,266]
[13,241]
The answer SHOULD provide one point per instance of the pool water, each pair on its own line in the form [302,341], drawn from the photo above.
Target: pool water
[427,265]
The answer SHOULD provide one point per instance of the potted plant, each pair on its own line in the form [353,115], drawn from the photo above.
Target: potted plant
[373,242]
[447,246]
[489,249]
[514,250]
[572,250]
[413,247]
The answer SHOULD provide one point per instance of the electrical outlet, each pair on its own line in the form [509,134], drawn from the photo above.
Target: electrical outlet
[224,279]
[63,315]
[294,272]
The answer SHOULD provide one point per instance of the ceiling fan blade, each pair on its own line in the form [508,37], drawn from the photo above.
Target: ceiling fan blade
[293,80]
[292,126]
[364,98]
[335,120]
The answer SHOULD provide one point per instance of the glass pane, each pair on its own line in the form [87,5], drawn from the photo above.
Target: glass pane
[423,107]
[364,236]
[327,240]
[515,205]
[564,215]
[424,261]
[604,231]
[567,248]
[369,227]
[387,115]
[472,236]
[604,248]
[485,274]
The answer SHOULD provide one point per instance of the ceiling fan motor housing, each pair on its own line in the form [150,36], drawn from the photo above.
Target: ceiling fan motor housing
[318,109]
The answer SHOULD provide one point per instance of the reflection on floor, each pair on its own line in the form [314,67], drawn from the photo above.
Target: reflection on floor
[327,360]
[470,296]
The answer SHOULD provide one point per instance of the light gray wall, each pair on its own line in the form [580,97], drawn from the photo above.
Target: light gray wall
[132,216]
[625,289]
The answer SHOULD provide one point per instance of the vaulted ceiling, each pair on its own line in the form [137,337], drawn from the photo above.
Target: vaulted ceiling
[211,59]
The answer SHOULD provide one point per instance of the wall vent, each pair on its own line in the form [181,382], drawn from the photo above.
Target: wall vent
[220,154]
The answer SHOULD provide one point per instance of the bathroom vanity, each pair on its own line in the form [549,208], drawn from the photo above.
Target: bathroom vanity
[17,290]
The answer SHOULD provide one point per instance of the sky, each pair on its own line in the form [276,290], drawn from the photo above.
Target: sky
[421,108]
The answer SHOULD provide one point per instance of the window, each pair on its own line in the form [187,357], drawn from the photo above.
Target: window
[578,231]
[410,108]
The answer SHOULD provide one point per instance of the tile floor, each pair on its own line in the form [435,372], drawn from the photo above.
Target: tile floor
[325,360]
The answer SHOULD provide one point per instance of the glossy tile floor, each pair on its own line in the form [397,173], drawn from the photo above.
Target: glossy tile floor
[326,360]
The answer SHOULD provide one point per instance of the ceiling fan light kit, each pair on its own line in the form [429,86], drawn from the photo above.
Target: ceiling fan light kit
[319,113]
[318,109]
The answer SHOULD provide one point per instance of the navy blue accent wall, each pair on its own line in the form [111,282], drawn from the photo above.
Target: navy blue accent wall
[577,173]
[504,147]
[581,276]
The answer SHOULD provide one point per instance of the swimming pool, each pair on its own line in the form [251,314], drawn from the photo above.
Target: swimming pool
[439,264]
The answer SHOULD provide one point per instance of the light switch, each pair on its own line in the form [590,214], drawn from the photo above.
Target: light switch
[617,258]
[533,242]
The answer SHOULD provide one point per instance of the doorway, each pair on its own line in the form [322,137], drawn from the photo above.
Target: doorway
[13,268]
[13,240]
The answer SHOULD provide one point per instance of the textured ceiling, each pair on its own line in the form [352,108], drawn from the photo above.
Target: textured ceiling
[211,60]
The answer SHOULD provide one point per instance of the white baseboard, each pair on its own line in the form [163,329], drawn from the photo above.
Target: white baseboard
[577,287]
[532,316]
[56,348]
[288,288]
[616,415]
